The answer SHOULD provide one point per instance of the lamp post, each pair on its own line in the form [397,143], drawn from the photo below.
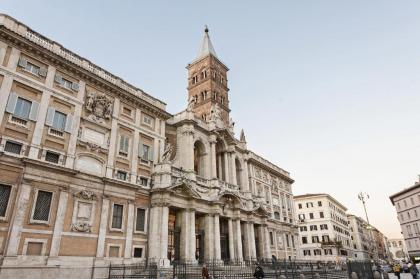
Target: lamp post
[363,197]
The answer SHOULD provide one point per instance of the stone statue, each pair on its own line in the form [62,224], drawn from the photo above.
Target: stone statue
[167,153]
[215,113]
[191,103]
[231,125]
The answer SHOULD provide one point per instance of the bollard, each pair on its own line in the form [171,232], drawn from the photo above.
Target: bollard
[302,276]
[354,275]
[377,275]
[317,276]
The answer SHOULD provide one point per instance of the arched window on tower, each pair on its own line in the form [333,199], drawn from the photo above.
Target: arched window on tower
[276,215]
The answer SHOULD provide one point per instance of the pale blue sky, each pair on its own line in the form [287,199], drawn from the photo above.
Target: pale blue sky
[328,90]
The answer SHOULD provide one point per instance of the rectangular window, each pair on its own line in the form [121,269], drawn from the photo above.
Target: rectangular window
[4,198]
[121,175]
[300,206]
[59,121]
[321,214]
[33,69]
[22,108]
[287,240]
[13,147]
[126,111]
[271,238]
[311,215]
[146,150]
[138,252]
[147,120]
[52,157]
[140,220]
[124,145]
[143,181]
[317,252]
[117,216]
[320,203]
[67,84]
[304,240]
[315,239]
[42,206]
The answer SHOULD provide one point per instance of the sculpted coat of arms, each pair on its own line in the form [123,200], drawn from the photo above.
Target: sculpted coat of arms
[99,105]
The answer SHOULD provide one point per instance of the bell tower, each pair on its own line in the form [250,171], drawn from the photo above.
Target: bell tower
[207,82]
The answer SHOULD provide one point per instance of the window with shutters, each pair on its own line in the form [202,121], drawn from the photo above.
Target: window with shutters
[66,83]
[124,145]
[42,206]
[13,147]
[52,157]
[141,220]
[117,216]
[147,120]
[22,108]
[5,191]
[59,121]
[31,68]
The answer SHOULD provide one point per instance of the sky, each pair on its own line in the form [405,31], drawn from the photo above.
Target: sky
[329,90]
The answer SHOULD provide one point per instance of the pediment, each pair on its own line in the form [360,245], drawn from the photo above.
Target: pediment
[184,190]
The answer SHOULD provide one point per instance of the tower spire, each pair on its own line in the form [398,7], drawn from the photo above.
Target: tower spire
[206,46]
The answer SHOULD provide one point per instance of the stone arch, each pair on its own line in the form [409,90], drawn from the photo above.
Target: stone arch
[200,158]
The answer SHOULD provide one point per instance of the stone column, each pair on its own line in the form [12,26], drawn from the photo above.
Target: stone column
[158,235]
[267,244]
[192,236]
[233,168]
[219,158]
[231,240]
[253,252]
[261,238]
[17,225]
[238,251]
[164,235]
[208,237]
[129,231]
[247,242]
[113,139]
[213,159]
[102,228]
[59,223]
[3,49]
[217,250]
[5,89]
[226,161]
[13,59]
[71,150]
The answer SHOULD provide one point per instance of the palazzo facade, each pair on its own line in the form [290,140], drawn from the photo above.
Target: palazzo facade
[95,171]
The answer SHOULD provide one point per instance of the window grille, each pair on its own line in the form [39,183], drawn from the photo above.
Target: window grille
[42,206]
[52,157]
[117,215]
[13,147]
[4,198]
[140,220]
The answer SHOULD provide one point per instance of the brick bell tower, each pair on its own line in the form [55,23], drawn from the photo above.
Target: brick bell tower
[207,82]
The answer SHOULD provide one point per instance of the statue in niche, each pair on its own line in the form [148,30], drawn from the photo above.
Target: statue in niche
[167,153]
[99,106]
[215,113]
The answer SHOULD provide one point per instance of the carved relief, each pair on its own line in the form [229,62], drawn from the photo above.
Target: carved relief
[99,106]
[167,153]
[86,195]
[81,227]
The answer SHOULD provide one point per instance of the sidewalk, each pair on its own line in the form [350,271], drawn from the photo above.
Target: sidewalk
[403,276]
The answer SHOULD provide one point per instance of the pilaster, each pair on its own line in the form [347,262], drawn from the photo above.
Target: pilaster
[59,224]
[102,228]
[238,252]
[5,89]
[129,231]
[13,59]
[217,250]
[231,240]
[113,139]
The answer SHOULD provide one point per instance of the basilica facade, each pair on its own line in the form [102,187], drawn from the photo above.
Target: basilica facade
[94,170]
